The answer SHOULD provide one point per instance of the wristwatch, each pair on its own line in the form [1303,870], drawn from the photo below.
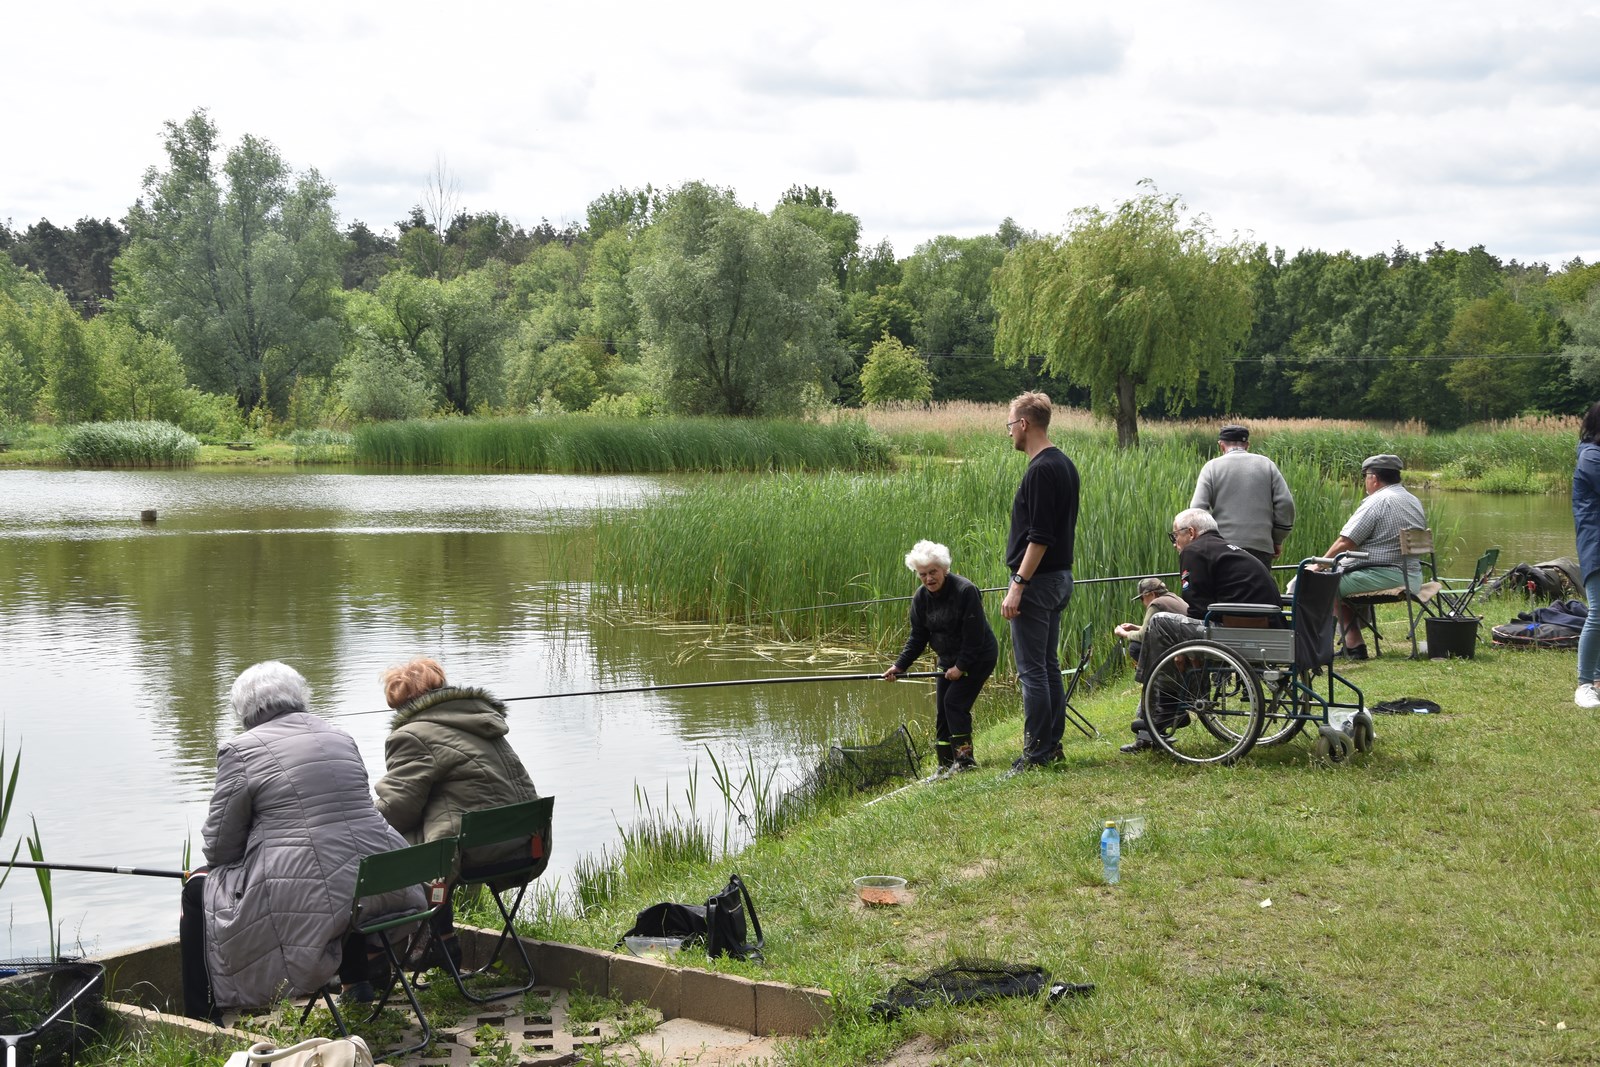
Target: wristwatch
[1017,579]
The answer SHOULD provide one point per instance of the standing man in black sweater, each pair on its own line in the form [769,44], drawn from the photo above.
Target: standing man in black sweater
[1044,521]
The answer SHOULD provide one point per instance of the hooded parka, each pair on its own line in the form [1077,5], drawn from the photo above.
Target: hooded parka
[290,820]
[446,754]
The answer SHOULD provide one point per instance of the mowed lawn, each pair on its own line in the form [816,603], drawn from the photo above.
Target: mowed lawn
[1431,902]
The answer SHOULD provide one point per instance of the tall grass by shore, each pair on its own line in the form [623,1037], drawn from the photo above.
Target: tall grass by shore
[732,550]
[581,444]
[128,444]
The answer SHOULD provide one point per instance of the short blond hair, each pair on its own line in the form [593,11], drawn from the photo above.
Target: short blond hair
[1035,407]
[405,683]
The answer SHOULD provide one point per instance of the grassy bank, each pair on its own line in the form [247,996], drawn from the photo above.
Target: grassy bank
[1433,902]
[590,445]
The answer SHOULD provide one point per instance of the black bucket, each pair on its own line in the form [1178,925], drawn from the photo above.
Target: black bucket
[1452,636]
[49,1012]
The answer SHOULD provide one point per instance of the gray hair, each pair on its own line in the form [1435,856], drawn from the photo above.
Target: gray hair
[928,554]
[268,690]
[1197,519]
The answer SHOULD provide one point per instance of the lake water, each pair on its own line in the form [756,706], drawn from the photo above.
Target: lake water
[119,641]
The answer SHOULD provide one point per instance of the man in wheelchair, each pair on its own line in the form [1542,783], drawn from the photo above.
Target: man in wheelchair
[1214,572]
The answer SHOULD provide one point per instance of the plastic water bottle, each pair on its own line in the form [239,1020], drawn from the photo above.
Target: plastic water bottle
[1111,852]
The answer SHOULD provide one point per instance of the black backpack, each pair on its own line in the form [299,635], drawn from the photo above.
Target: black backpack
[719,923]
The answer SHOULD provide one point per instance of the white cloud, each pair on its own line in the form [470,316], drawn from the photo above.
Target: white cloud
[1344,126]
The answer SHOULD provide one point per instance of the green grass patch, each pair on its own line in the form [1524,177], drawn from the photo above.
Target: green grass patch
[580,444]
[128,444]
[1431,902]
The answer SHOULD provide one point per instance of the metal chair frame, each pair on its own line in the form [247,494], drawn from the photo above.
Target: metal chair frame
[1074,676]
[530,821]
[1416,543]
[386,872]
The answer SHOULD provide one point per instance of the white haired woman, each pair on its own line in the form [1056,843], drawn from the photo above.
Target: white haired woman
[947,613]
[291,818]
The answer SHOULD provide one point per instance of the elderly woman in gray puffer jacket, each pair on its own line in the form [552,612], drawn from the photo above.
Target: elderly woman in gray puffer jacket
[291,818]
[446,754]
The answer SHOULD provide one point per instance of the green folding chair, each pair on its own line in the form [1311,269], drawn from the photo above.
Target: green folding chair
[388,872]
[1074,675]
[529,822]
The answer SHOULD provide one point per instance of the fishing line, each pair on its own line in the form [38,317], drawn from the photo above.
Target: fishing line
[689,685]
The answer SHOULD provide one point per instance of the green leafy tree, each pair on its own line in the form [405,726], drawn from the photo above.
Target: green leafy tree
[236,260]
[453,328]
[818,211]
[141,374]
[381,379]
[1582,353]
[949,283]
[895,372]
[739,308]
[1498,337]
[1131,304]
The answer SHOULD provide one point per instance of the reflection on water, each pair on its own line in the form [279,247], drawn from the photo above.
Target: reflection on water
[120,640]
[1528,529]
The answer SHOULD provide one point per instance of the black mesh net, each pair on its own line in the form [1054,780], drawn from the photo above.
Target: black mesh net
[50,1009]
[852,768]
[964,981]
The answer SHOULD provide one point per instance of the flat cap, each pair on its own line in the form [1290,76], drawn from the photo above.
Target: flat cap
[1383,461]
[1234,432]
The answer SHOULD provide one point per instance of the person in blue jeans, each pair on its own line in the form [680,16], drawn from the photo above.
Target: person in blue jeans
[1586,524]
[1044,521]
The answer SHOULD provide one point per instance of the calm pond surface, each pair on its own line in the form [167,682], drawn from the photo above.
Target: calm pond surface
[119,642]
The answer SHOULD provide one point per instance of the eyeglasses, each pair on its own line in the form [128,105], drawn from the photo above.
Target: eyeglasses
[1172,535]
[1013,422]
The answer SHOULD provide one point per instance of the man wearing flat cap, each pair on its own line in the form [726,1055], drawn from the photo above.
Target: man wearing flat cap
[1155,596]
[1248,496]
[1375,529]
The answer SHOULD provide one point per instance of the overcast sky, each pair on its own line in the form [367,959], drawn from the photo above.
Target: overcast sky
[1348,126]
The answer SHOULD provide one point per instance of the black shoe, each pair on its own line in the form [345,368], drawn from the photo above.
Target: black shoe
[1356,652]
[358,993]
[1138,744]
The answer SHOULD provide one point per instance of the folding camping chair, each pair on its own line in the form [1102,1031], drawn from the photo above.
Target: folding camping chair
[1075,675]
[527,822]
[387,872]
[1457,598]
[1415,543]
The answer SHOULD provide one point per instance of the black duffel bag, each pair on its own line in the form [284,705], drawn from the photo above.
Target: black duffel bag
[720,923]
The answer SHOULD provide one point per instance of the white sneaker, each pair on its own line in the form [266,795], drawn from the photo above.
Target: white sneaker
[1587,696]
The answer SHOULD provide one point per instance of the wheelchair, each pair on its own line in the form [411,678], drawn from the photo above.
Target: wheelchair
[1260,676]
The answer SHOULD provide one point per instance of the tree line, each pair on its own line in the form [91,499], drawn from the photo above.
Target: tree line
[230,295]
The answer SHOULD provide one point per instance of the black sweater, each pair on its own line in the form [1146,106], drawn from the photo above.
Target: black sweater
[1045,511]
[953,622]
[1215,572]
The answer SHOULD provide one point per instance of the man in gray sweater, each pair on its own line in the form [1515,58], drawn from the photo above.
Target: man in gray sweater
[1247,495]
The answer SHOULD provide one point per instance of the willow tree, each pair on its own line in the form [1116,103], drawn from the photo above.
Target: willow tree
[1133,305]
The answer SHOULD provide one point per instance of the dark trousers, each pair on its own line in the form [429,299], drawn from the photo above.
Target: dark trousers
[952,701]
[1035,642]
[196,982]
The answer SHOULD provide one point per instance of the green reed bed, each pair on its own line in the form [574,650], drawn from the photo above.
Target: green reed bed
[321,446]
[128,444]
[733,549]
[583,444]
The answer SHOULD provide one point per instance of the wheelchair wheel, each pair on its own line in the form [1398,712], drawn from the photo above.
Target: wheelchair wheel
[1209,684]
[1284,707]
[1331,746]
[1361,731]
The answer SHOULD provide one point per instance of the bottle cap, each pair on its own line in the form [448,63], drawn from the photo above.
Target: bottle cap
[1110,823]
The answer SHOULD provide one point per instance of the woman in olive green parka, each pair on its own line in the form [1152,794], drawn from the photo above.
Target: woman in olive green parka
[446,754]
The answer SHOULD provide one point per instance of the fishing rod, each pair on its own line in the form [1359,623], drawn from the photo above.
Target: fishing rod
[695,685]
[95,869]
[985,589]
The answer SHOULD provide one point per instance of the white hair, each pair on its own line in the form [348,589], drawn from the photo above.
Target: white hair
[1197,519]
[928,554]
[267,690]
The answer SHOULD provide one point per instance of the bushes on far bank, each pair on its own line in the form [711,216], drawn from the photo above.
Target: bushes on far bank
[128,444]
[581,444]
